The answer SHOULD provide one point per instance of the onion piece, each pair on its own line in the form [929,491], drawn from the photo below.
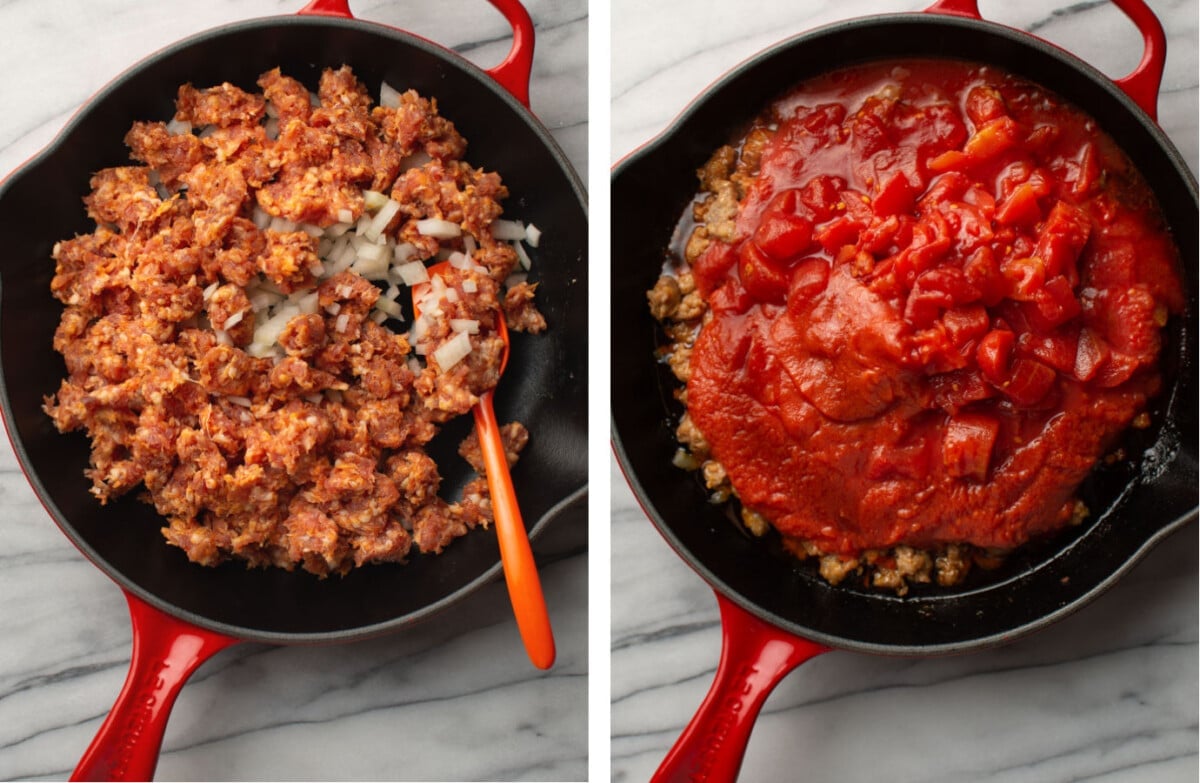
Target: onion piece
[374,199]
[389,306]
[438,228]
[233,320]
[508,230]
[384,216]
[281,225]
[178,127]
[522,256]
[345,215]
[469,286]
[453,351]
[468,325]
[533,235]
[389,96]
[413,272]
[459,261]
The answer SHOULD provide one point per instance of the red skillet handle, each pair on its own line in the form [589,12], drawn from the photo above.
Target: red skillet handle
[755,656]
[512,73]
[1143,83]
[165,653]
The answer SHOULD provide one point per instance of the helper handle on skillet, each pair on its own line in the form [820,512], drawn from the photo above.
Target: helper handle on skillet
[512,73]
[755,656]
[165,653]
[1143,82]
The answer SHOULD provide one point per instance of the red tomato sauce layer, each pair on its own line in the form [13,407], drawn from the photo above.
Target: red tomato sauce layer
[943,301]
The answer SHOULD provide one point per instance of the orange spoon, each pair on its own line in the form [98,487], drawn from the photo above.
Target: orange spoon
[520,570]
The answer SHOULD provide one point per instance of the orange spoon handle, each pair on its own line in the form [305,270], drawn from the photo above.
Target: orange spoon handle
[520,570]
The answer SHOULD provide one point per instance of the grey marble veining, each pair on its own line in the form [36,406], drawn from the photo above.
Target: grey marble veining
[453,698]
[1108,694]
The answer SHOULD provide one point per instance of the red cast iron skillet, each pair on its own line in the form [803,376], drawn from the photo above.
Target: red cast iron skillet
[776,614]
[183,613]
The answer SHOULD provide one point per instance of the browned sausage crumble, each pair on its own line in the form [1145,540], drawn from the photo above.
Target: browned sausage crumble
[226,325]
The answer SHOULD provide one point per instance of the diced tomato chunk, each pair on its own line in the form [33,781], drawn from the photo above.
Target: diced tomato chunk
[1058,349]
[1054,304]
[965,323]
[712,265]
[1029,382]
[984,273]
[1020,208]
[955,390]
[842,231]
[763,278]
[809,278]
[1062,239]
[782,235]
[1091,354]
[821,194]
[994,353]
[992,139]
[1025,277]
[896,196]
[984,103]
[968,443]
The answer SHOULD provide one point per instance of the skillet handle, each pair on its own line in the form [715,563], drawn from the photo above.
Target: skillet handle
[755,656]
[512,73]
[1143,83]
[165,653]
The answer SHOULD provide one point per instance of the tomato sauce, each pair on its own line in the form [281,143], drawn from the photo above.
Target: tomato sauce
[943,301]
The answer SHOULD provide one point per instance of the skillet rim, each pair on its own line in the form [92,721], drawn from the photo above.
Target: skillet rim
[1170,399]
[210,37]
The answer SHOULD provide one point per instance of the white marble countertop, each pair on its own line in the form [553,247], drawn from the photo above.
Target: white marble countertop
[451,699]
[1108,694]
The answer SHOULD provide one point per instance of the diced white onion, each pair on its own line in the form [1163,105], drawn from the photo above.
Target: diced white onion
[234,320]
[337,230]
[508,230]
[533,235]
[282,225]
[345,215]
[389,306]
[310,229]
[404,251]
[260,300]
[343,321]
[210,290]
[468,286]
[178,127]
[386,212]
[415,160]
[468,325]
[453,350]
[309,303]
[389,96]
[223,337]
[374,199]
[413,272]
[243,401]
[271,128]
[378,316]
[459,261]
[261,218]
[469,244]
[438,229]
[333,308]
[268,331]
[522,256]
